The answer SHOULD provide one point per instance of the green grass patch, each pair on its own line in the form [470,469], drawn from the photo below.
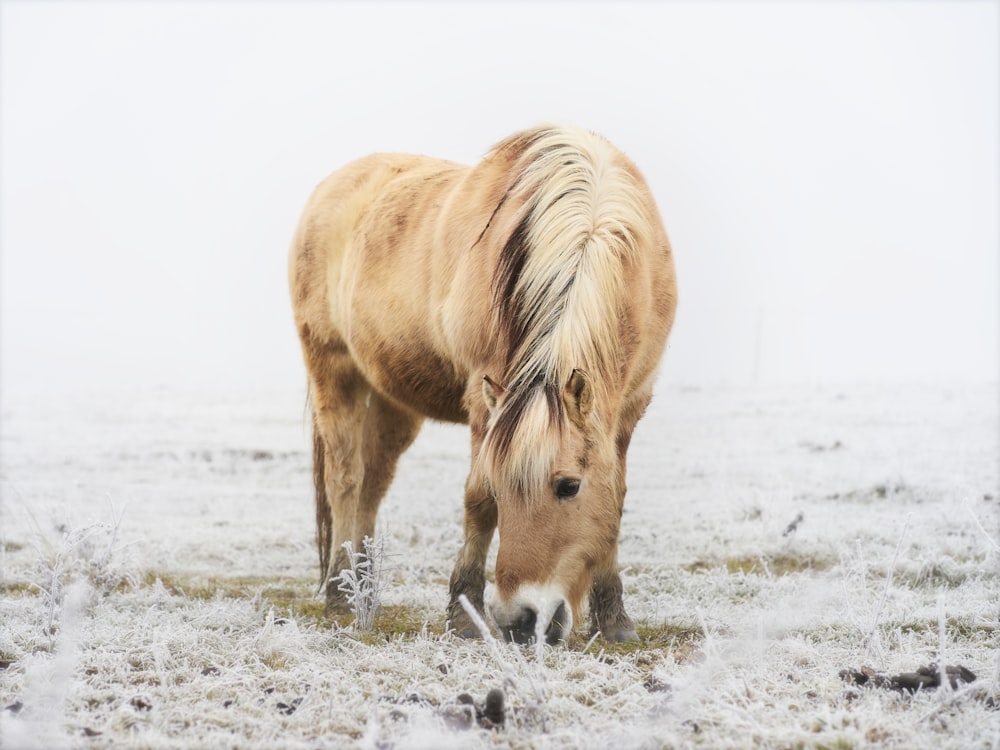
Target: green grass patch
[295,599]
[289,597]
[876,493]
[679,640]
[18,588]
[942,573]
[764,565]
[396,621]
[961,628]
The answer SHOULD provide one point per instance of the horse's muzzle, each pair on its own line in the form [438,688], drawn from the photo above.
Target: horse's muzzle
[525,627]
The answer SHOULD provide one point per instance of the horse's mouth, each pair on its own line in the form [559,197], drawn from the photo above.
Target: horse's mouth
[525,627]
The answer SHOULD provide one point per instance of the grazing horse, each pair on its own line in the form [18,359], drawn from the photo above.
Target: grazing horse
[529,296]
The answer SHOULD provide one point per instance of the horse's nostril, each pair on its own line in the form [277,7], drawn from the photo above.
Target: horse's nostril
[558,625]
[522,630]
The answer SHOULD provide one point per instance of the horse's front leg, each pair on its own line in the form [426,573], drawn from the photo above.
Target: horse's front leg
[607,610]
[469,574]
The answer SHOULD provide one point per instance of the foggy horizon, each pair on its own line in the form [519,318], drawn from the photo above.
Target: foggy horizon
[828,174]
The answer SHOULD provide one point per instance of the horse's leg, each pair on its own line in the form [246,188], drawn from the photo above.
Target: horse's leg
[469,574]
[607,610]
[389,430]
[339,400]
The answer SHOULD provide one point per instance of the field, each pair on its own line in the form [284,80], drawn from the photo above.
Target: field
[780,546]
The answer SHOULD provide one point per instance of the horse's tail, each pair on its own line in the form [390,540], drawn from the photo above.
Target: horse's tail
[324,515]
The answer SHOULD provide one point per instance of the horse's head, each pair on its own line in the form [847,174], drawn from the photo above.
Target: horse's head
[552,468]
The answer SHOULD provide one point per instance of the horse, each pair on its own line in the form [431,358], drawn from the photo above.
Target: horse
[528,296]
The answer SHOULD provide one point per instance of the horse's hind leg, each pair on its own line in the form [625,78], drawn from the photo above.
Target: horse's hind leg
[369,440]
[339,397]
[388,431]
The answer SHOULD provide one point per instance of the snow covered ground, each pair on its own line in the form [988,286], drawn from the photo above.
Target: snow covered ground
[157,573]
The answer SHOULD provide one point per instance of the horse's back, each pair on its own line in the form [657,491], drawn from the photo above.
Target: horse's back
[325,233]
[397,257]
[360,274]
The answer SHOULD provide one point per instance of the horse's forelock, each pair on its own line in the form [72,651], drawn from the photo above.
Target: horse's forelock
[522,442]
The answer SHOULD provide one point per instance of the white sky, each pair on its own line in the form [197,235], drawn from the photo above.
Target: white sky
[828,171]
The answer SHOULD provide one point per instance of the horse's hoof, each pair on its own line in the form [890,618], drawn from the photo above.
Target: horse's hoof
[336,608]
[621,635]
[463,627]
[460,623]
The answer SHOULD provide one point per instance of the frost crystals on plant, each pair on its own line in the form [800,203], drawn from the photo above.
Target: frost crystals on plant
[362,582]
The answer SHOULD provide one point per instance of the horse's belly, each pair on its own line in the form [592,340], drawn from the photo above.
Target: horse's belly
[391,338]
[414,377]
[388,289]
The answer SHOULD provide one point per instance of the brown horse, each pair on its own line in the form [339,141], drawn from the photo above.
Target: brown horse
[529,296]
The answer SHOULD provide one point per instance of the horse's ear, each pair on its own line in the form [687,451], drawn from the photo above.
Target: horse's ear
[492,393]
[578,397]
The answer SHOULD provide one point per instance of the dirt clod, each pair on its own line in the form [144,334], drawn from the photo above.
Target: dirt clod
[465,712]
[791,528]
[493,710]
[924,678]
[462,715]
[288,708]
[656,685]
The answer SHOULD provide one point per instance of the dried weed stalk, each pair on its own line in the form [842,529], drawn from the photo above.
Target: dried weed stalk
[362,582]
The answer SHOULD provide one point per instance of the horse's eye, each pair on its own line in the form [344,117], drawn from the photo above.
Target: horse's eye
[567,488]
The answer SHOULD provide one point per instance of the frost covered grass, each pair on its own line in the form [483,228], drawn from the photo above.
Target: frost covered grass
[361,583]
[157,582]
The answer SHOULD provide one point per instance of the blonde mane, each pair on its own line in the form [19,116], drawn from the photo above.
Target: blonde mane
[560,291]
